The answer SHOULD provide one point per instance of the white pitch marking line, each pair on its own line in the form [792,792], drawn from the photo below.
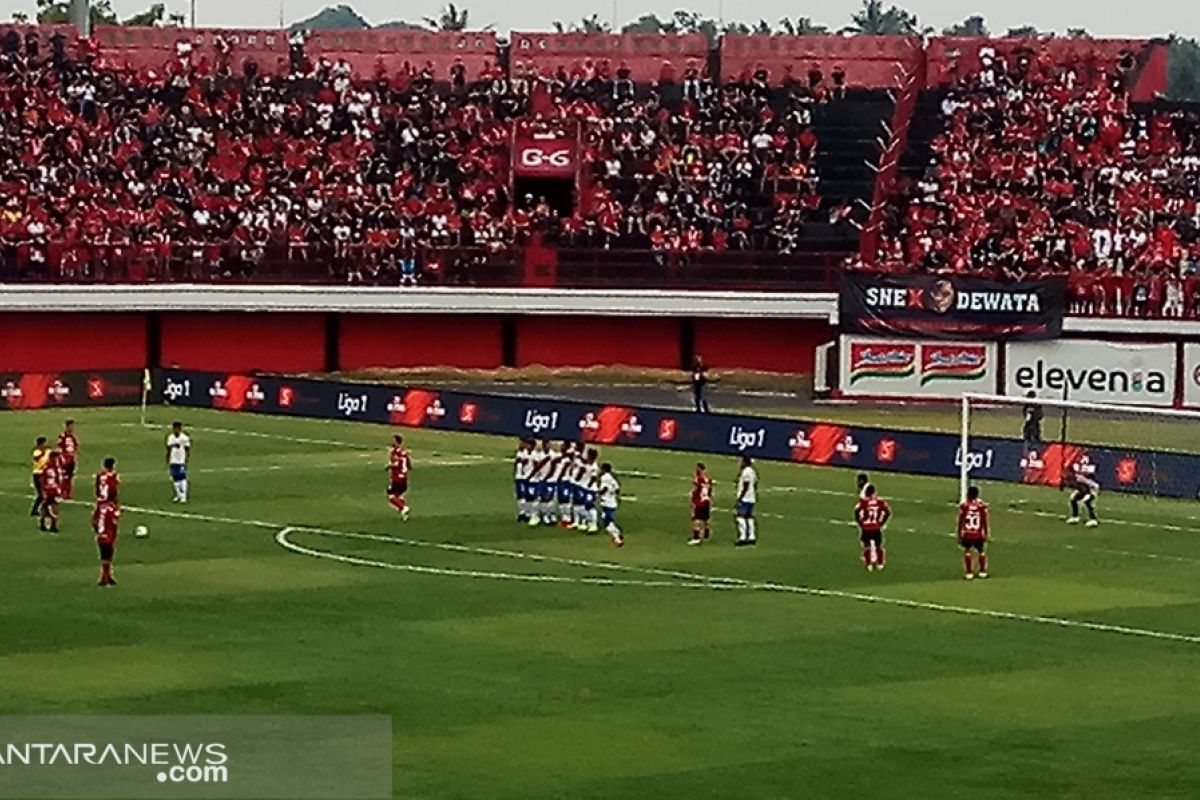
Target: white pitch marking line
[684,579]
[282,538]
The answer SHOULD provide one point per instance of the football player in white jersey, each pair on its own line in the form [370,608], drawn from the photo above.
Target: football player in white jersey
[610,498]
[746,498]
[589,485]
[563,491]
[540,490]
[522,466]
[179,450]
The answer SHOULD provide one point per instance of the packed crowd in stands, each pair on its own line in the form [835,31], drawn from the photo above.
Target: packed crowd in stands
[1046,168]
[203,169]
[693,166]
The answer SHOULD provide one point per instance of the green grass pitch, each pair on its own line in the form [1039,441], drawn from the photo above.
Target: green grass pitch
[786,671]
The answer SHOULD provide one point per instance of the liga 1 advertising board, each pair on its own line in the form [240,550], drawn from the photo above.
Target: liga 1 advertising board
[895,367]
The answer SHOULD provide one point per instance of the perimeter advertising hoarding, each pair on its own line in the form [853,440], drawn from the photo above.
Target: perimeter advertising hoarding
[33,390]
[876,367]
[1191,374]
[1092,371]
[819,443]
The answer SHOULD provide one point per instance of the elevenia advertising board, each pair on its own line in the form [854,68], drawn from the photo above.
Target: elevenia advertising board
[1191,374]
[1093,371]
[876,367]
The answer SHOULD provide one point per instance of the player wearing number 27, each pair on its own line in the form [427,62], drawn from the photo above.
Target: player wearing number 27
[872,514]
[973,533]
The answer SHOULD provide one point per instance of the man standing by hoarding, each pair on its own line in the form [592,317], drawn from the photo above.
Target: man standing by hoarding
[700,385]
[1032,430]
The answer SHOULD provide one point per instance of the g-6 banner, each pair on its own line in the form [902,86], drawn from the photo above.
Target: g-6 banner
[800,441]
[951,306]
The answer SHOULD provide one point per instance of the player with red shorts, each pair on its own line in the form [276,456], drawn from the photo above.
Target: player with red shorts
[973,532]
[701,505]
[68,453]
[398,467]
[52,487]
[872,514]
[104,520]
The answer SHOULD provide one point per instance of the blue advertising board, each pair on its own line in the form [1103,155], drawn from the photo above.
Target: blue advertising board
[800,441]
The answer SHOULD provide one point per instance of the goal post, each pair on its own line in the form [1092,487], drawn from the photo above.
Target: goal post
[1144,450]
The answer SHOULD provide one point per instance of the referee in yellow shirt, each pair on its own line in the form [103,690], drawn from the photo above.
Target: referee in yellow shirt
[41,459]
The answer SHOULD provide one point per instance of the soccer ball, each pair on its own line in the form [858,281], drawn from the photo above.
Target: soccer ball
[141,531]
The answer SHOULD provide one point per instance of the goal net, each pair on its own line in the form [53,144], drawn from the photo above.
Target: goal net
[1132,449]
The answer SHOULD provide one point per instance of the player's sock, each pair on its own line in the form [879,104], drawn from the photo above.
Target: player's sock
[881,557]
[867,557]
[741,525]
[968,566]
[1074,509]
[982,563]
[183,490]
[1091,509]
[750,529]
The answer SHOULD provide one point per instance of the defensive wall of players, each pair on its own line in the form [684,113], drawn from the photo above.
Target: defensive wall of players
[801,441]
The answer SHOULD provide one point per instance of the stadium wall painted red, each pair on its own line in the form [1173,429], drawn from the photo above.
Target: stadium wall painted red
[307,342]
[244,342]
[592,341]
[32,342]
[383,340]
[783,345]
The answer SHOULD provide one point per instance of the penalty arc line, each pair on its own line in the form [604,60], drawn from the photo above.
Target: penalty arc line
[691,580]
[678,579]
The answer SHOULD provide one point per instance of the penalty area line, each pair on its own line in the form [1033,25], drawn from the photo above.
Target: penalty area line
[689,580]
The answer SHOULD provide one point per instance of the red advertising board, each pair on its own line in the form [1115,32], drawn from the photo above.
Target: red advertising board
[544,155]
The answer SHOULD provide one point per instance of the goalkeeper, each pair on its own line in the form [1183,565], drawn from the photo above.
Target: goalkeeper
[1083,490]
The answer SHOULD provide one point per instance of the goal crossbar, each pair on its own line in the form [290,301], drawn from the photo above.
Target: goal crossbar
[1009,400]
[970,399]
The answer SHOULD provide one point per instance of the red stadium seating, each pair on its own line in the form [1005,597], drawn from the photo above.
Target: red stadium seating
[875,62]
[392,50]
[643,54]
[144,49]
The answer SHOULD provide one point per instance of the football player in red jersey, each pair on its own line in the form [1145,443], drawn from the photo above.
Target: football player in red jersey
[68,452]
[105,516]
[973,532]
[52,483]
[104,520]
[872,514]
[108,482]
[398,466]
[701,505]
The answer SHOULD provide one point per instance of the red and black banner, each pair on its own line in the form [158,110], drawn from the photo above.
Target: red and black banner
[951,306]
[33,390]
